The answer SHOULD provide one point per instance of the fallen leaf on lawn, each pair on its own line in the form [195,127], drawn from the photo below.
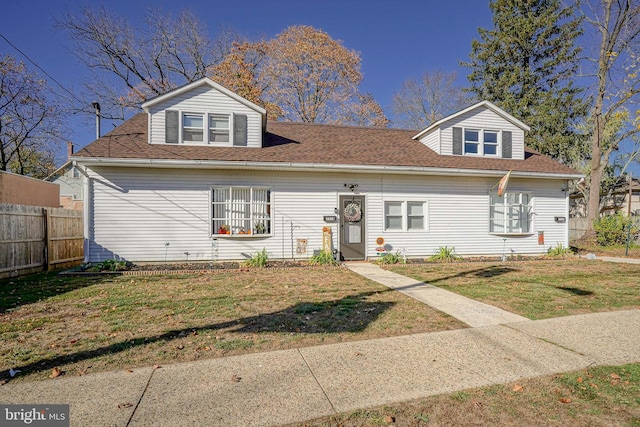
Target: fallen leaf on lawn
[125,405]
[129,371]
[594,385]
[565,400]
[55,373]
[357,353]
[626,382]
[156,367]
[615,376]
[389,419]
[517,387]
[579,379]
[235,378]
[478,404]
[73,341]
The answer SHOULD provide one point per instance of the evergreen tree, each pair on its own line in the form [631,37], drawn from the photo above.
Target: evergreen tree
[525,65]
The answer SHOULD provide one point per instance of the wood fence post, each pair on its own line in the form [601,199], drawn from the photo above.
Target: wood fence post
[47,239]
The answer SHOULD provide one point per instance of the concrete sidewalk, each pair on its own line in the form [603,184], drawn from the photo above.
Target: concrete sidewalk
[473,313]
[281,387]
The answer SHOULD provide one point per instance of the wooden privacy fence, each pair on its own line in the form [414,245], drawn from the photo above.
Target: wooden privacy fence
[36,239]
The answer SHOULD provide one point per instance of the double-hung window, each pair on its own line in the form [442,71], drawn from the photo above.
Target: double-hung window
[218,128]
[192,130]
[481,142]
[206,128]
[241,210]
[405,215]
[512,213]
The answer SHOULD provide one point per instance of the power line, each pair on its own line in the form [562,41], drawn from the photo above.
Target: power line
[42,69]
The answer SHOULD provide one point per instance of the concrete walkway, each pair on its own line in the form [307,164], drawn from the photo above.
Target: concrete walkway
[473,313]
[281,387]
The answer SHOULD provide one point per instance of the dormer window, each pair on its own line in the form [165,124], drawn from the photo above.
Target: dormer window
[192,128]
[218,128]
[189,128]
[481,142]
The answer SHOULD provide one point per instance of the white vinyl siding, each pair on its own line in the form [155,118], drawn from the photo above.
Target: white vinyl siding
[207,101]
[156,214]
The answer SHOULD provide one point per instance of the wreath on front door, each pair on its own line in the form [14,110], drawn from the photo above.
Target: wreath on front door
[352,212]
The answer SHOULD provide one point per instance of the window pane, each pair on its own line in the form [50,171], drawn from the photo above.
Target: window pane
[192,121]
[393,223]
[415,208]
[394,208]
[215,136]
[490,149]
[219,122]
[471,135]
[193,135]
[470,148]
[415,223]
[490,137]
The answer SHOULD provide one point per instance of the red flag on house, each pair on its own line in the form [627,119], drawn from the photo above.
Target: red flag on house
[502,185]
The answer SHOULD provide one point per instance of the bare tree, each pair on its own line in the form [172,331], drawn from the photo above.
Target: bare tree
[30,122]
[131,64]
[617,83]
[421,102]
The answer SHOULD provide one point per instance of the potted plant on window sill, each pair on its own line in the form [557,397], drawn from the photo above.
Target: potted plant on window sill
[224,229]
[260,228]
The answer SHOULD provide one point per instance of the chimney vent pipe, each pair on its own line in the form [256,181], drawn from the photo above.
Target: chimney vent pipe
[96,106]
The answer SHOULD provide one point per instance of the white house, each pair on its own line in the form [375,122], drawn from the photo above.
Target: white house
[201,175]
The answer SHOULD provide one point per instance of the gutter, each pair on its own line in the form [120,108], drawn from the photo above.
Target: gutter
[316,167]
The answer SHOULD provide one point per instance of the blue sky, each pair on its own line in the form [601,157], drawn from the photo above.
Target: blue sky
[396,40]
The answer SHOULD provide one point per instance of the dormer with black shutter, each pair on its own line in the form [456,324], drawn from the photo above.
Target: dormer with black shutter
[482,130]
[205,113]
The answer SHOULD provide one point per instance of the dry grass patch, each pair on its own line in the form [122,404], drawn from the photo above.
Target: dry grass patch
[91,324]
[538,289]
[602,396]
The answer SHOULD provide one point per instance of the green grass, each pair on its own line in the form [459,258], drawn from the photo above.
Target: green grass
[538,289]
[89,324]
[597,396]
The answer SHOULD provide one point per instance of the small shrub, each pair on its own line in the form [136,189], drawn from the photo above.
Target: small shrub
[389,258]
[613,229]
[109,265]
[559,251]
[259,259]
[323,258]
[445,254]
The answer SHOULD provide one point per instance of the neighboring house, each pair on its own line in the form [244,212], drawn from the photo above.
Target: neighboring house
[71,183]
[24,190]
[201,175]
[620,200]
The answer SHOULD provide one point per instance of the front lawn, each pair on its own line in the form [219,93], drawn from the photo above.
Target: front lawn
[89,324]
[537,289]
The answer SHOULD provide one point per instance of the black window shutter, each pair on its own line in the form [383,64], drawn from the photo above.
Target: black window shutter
[240,130]
[171,127]
[457,141]
[506,145]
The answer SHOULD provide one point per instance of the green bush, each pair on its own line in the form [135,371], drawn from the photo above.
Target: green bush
[259,259]
[613,229]
[445,254]
[559,251]
[389,258]
[323,258]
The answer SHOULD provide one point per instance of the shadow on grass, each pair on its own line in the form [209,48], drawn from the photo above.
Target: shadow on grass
[575,291]
[18,291]
[349,314]
[485,272]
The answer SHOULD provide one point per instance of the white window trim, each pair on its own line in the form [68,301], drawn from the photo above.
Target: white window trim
[205,128]
[214,233]
[504,197]
[405,215]
[480,152]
